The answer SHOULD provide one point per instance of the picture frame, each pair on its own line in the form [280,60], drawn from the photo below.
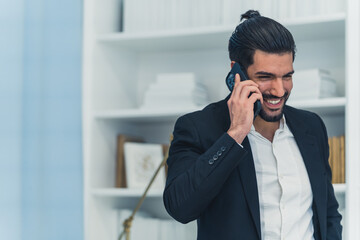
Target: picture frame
[142,160]
[120,181]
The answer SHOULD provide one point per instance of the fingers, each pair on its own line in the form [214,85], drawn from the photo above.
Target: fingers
[239,83]
[254,97]
[247,90]
[242,89]
[241,105]
[236,90]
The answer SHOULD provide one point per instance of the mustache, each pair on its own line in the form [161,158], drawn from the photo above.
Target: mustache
[270,96]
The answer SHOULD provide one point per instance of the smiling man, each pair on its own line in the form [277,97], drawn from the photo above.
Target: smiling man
[242,177]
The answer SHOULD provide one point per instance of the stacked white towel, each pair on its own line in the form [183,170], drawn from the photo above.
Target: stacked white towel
[313,84]
[175,90]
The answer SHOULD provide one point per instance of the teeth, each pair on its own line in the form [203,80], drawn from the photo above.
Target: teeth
[273,102]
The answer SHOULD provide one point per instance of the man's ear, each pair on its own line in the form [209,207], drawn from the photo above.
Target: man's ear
[232,64]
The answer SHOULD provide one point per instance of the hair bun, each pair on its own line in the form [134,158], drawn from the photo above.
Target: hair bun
[250,14]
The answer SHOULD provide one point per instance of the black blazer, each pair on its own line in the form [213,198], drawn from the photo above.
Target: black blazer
[212,179]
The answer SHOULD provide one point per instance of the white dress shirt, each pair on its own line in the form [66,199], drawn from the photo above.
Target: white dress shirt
[283,184]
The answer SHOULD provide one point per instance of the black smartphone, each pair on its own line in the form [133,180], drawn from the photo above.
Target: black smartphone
[230,81]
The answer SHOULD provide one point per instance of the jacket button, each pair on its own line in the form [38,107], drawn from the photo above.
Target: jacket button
[223,149]
[219,153]
[215,157]
[211,161]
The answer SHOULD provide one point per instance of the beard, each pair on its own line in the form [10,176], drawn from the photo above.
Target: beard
[273,118]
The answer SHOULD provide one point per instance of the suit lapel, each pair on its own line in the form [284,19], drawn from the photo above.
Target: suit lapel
[247,174]
[310,152]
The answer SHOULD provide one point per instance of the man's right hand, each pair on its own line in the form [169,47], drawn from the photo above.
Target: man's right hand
[241,108]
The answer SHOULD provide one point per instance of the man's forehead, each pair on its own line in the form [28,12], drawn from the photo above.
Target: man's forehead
[272,62]
[259,55]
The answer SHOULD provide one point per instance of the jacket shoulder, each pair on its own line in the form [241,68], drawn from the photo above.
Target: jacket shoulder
[213,114]
[303,117]
[205,125]
[300,113]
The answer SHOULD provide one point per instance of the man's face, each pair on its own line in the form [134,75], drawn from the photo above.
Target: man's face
[273,73]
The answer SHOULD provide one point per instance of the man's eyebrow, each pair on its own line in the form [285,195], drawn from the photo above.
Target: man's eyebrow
[290,73]
[271,74]
[264,73]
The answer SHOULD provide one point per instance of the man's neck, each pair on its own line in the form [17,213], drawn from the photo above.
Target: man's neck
[266,129]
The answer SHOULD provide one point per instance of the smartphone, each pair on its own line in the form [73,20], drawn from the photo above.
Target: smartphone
[230,81]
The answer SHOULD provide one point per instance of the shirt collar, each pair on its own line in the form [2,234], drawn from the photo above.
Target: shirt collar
[283,128]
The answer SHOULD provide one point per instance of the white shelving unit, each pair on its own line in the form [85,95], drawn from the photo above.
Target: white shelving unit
[118,68]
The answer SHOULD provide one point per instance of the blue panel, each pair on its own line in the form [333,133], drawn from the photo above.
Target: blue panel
[52,188]
[11,42]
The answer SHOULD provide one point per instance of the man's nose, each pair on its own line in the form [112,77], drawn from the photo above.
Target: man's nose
[277,87]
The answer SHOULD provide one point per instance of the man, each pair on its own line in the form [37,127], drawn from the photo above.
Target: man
[246,178]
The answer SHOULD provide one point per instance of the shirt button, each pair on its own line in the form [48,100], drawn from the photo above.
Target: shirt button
[211,161]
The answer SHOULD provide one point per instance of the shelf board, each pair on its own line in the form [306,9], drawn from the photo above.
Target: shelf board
[136,193]
[144,115]
[310,28]
[125,192]
[321,106]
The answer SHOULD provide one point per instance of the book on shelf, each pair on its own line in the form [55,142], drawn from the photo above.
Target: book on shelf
[160,15]
[342,154]
[337,158]
[165,148]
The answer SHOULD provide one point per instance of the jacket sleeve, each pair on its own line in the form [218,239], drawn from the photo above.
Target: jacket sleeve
[196,175]
[333,226]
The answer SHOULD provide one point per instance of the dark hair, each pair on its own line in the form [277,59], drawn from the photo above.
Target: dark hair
[258,32]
